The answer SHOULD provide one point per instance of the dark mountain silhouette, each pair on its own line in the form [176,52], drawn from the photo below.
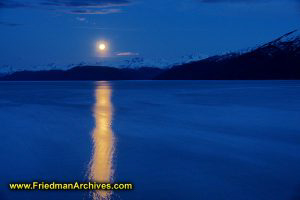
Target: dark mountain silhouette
[278,59]
[86,73]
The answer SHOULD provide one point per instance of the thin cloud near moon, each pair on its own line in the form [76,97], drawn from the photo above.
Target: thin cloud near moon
[127,54]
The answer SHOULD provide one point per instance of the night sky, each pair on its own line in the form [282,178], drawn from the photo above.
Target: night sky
[39,32]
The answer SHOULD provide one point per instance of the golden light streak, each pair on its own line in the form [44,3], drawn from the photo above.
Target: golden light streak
[101,166]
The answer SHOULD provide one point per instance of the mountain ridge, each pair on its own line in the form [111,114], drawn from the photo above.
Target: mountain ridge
[278,59]
[85,73]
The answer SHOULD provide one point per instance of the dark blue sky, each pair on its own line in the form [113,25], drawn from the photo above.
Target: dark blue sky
[38,32]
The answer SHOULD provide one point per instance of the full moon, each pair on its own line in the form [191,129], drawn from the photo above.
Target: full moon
[102,47]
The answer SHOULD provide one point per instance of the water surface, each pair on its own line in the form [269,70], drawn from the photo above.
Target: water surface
[213,140]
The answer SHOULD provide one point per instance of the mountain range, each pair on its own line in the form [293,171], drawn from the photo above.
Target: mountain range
[275,60]
[84,73]
[278,59]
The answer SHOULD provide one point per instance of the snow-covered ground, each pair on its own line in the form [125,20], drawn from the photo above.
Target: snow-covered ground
[212,140]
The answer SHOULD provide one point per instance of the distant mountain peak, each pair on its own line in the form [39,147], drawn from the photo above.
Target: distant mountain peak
[289,36]
[278,59]
[159,62]
[293,38]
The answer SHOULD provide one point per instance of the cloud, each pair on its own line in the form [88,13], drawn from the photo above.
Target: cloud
[86,3]
[93,12]
[234,1]
[127,54]
[81,19]
[9,24]
[11,4]
[297,2]
[70,6]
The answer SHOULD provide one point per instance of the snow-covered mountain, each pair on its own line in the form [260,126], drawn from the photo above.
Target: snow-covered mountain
[130,62]
[135,62]
[278,59]
[288,43]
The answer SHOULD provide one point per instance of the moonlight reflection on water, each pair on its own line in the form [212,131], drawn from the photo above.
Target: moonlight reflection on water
[101,166]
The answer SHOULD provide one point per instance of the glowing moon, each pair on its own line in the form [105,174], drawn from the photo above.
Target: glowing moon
[102,47]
